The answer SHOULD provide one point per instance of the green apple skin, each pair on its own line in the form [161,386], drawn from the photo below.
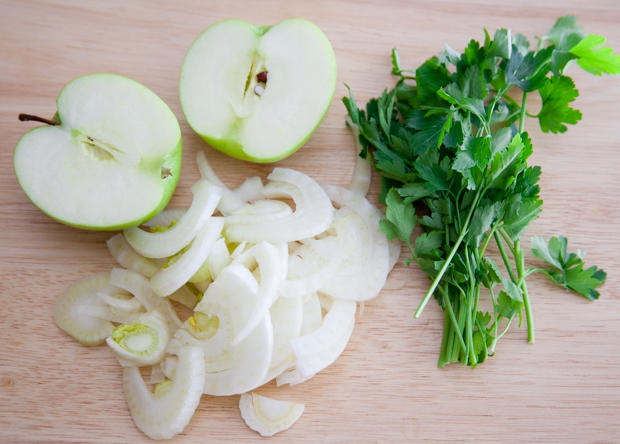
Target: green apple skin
[171,163]
[230,143]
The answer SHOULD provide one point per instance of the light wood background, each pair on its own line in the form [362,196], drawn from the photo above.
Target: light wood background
[386,387]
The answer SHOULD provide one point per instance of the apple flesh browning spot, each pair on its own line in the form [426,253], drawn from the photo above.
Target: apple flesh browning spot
[233,57]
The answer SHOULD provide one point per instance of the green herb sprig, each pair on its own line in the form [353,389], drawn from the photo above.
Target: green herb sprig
[446,142]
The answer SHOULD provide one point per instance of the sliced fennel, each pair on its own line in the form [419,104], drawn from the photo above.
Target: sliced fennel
[310,365]
[142,343]
[251,363]
[87,330]
[286,318]
[259,211]
[121,302]
[167,280]
[127,257]
[219,352]
[167,243]
[165,414]
[250,189]
[140,287]
[230,201]
[370,280]
[334,326]
[360,182]
[219,258]
[268,416]
[313,212]
[167,218]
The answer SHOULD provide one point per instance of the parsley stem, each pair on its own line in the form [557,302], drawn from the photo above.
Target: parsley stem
[502,251]
[446,264]
[519,259]
[523,112]
[450,311]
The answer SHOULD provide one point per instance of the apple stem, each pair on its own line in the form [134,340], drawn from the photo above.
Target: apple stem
[28,117]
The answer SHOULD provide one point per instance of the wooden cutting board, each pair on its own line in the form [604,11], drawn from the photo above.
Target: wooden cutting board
[386,387]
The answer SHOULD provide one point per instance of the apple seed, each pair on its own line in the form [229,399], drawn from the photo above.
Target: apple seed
[262,77]
[259,90]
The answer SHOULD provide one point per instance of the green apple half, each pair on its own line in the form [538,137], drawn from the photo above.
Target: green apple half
[227,104]
[112,162]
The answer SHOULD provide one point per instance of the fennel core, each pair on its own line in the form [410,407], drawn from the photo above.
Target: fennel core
[454,144]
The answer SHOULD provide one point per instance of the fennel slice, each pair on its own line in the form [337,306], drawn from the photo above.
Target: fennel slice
[335,324]
[310,365]
[251,363]
[88,330]
[140,287]
[219,353]
[171,241]
[268,416]
[167,280]
[128,258]
[313,211]
[366,284]
[219,257]
[168,217]
[142,343]
[286,318]
[165,414]
[250,190]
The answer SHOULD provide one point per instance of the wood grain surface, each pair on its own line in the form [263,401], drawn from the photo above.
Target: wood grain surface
[386,387]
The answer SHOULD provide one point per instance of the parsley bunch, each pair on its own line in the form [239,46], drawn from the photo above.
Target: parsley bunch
[446,143]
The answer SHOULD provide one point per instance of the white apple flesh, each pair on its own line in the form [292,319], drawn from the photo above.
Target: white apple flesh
[112,163]
[258,93]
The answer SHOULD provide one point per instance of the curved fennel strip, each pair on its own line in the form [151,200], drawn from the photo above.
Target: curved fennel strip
[286,318]
[230,201]
[169,242]
[370,280]
[126,256]
[184,296]
[219,352]
[313,213]
[167,280]
[270,266]
[168,216]
[312,315]
[87,330]
[259,211]
[108,313]
[250,189]
[395,247]
[313,281]
[141,343]
[165,414]
[292,377]
[219,258]
[121,302]
[360,182]
[334,325]
[268,416]
[251,363]
[309,365]
[140,287]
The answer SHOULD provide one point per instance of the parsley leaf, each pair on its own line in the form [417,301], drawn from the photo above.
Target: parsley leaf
[596,61]
[567,268]
[557,93]
[401,218]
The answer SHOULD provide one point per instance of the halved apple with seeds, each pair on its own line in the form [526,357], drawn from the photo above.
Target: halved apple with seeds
[110,158]
[258,93]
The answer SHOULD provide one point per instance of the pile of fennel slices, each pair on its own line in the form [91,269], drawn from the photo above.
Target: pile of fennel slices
[273,274]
